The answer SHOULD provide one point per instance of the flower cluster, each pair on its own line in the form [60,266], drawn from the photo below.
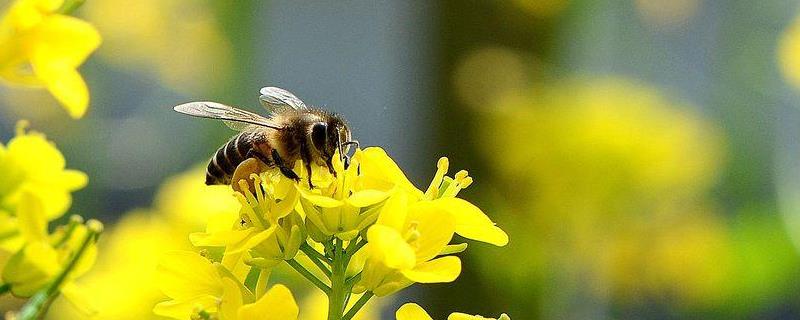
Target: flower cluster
[363,230]
[35,189]
[41,46]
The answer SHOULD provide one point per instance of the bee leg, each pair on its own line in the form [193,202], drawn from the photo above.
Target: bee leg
[286,171]
[329,163]
[308,168]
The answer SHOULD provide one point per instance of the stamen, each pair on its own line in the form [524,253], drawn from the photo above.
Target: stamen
[412,234]
[22,125]
[441,169]
[257,186]
[462,180]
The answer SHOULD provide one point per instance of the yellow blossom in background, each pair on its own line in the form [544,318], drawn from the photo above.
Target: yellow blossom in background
[43,256]
[51,260]
[187,202]
[788,53]
[177,40]
[30,163]
[41,47]
[412,311]
[607,182]
[135,244]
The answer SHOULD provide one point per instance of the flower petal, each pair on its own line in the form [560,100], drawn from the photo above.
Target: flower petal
[411,311]
[367,197]
[183,275]
[394,211]
[472,223]
[231,299]
[31,217]
[183,309]
[67,86]
[218,239]
[444,269]
[434,226]
[79,299]
[378,169]
[277,304]
[319,200]
[387,245]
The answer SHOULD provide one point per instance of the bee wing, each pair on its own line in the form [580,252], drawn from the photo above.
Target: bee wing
[213,110]
[239,126]
[276,99]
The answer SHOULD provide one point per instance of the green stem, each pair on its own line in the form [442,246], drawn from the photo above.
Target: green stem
[320,265]
[308,275]
[337,297]
[5,288]
[37,306]
[353,280]
[358,305]
[353,248]
[70,6]
[309,251]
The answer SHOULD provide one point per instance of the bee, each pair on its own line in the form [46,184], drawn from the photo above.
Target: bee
[292,131]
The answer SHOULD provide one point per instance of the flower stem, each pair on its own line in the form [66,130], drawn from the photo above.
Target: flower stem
[355,246]
[337,297]
[70,6]
[309,251]
[37,306]
[308,275]
[316,260]
[357,306]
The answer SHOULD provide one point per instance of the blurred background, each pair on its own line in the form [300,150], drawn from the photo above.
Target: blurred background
[643,155]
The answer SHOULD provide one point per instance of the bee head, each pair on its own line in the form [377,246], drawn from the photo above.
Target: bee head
[329,136]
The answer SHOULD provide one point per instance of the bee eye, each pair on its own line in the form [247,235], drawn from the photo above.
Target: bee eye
[319,136]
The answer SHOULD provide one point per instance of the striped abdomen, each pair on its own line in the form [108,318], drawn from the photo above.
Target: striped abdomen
[228,157]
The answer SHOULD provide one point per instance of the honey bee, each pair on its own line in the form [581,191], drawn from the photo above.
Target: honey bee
[292,131]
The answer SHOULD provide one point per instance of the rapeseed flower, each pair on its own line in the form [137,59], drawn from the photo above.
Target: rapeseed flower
[63,256]
[345,204]
[31,163]
[266,223]
[412,311]
[41,47]
[183,204]
[201,289]
[365,229]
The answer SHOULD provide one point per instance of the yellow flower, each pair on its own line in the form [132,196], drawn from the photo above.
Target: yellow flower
[40,47]
[344,205]
[200,288]
[30,163]
[266,223]
[44,256]
[188,203]
[182,205]
[412,311]
[414,228]
[470,221]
